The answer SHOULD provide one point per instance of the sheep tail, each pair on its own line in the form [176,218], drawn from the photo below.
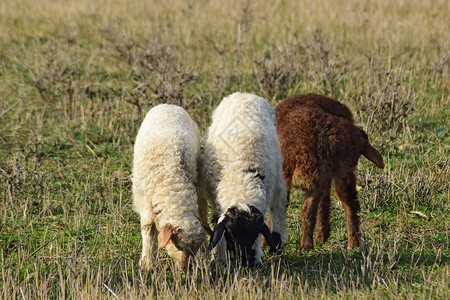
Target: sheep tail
[374,156]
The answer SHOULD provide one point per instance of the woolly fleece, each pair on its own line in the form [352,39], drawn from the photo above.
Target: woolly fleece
[165,170]
[320,144]
[242,160]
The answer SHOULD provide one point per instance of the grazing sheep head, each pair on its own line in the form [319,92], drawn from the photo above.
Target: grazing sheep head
[241,226]
[180,245]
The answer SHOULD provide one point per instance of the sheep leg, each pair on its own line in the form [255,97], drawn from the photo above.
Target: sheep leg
[215,214]
[203,208]
[309,216]
[149,244]
[278,226]
[346,191]
[288,182]
[219,255]
[277,216]
[283,226]
[323,228]
[203,215]
[258,251]
[205,195]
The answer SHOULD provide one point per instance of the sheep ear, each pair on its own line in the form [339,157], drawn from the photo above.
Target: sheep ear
[165,235]
[268,236]
[217,235]
[374,156]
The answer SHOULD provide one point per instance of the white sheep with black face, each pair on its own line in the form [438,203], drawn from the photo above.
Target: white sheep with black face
[242,166]
[165,162]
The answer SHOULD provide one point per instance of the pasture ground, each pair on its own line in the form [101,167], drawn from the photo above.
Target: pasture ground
[77,77]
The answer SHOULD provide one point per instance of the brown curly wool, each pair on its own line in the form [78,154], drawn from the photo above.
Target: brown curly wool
[320,144]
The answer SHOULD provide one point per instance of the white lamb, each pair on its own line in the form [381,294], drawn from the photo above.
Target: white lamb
[242,165]
[165,170]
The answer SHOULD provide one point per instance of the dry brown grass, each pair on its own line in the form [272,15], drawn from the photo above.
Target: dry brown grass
[77,77]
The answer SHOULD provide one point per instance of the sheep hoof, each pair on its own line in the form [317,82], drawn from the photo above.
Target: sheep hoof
[217,267]
[306,247]
[145,264]
[352,244]
[321,239]
[259,265]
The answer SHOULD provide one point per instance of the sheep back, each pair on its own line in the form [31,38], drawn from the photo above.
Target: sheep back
[318,136]
[242,138]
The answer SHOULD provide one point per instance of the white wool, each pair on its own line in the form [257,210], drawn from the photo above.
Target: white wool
[243,138]
[165,169]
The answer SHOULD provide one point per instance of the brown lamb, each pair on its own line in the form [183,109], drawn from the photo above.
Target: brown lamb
[320,144]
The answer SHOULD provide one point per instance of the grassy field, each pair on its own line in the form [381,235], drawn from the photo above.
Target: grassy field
[77,77]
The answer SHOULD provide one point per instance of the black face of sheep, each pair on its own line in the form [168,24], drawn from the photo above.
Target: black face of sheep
[241,229]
